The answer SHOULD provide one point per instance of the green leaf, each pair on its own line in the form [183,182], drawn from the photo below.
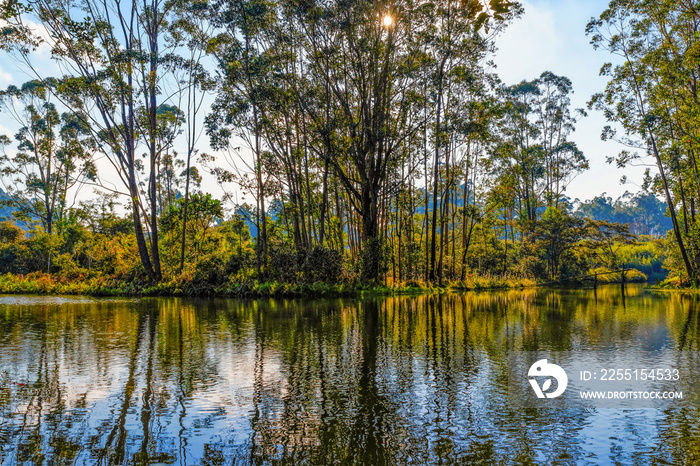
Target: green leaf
[481,21]
[500,6]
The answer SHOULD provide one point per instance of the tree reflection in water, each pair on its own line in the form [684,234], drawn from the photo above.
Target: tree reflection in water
[402,380]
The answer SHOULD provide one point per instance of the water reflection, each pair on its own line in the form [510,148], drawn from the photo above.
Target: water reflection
[404,380]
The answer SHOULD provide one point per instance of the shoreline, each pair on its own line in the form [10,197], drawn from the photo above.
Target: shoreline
[47,285]
[44,284]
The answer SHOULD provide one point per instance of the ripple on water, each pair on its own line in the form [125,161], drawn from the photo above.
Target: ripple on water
[402,380]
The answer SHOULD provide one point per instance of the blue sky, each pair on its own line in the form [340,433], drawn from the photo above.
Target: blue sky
[549,36]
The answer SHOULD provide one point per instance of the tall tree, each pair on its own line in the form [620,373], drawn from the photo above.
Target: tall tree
[652,95]
[191,30]
[372,60]
[112,54]
[535,155]
[242,49]
[52,155]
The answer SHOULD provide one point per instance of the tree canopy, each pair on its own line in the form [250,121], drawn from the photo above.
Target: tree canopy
[368,142]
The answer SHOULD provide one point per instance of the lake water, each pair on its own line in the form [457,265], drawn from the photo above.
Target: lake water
[399,380]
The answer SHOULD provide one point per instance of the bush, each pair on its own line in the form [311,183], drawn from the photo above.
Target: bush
[237,262]
[67,267]
[631,276]
[572,265]
[323,265]
[533,266]
[211,269]
[319,265]
[10,233]
[16,258]
[115,255]
[285,265]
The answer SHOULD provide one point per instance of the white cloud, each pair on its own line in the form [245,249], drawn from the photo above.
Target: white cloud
[5,77]
[4,130]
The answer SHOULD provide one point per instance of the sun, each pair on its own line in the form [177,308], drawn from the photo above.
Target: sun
[388,20]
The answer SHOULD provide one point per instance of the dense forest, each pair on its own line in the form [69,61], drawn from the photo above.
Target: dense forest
[357,143]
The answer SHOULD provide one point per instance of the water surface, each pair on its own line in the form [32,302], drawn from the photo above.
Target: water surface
[401,380]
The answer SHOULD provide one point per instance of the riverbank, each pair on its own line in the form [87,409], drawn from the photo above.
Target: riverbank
[46,284]
[674,284]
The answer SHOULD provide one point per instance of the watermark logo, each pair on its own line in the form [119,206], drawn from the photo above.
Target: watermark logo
[543,369]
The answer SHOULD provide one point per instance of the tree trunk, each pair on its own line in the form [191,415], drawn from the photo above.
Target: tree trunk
[324,205]
[672,211]
[262,240]
[184,211]
[436,182]
[138,228]
[372,252]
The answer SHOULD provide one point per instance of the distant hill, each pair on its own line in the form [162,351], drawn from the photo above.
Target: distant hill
[5,212]
[643,212]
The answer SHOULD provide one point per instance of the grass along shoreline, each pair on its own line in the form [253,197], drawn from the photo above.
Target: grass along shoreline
[39,283]
[45,284]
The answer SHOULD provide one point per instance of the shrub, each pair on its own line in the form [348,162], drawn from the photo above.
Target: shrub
[211,269]
[10,233]
[237,262]
[285,265]
[67,267]
[16,258]
[323,265]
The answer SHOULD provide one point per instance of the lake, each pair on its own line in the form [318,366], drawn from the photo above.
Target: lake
[397,380]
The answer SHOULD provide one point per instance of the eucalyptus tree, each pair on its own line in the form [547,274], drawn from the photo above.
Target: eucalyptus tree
[190,32]
[356,66]
[474,124]
[458,36]
[112,55]
[519,160]
[169,121]
[536,156]
[471,108]
[373,60]
[360,52]
[52,155]
[563,160]
[295,145]
[242,47]
[335,88]
[652,96]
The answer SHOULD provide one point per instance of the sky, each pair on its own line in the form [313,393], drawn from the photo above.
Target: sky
[549,36]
